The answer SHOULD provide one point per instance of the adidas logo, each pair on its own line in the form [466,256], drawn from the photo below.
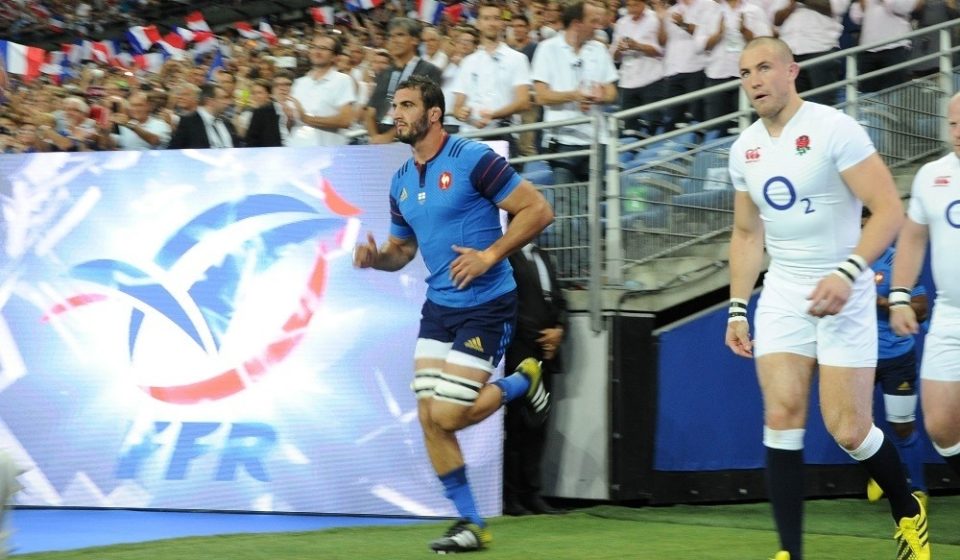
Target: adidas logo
[905,386]
[474,344]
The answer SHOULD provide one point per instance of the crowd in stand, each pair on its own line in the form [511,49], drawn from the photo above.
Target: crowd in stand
[324,83]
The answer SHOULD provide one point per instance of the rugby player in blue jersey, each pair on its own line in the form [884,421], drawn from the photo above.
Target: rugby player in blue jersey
[446,201]
[897,376]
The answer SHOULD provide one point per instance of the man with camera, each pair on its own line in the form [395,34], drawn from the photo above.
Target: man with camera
[131,126]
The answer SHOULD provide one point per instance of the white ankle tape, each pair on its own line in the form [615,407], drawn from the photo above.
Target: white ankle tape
[787,440]
[949,451]
[871,444]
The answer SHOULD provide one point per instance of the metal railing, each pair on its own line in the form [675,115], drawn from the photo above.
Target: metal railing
[647,198]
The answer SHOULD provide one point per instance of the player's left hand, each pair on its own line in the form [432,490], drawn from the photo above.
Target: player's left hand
[829,297]
[469,265]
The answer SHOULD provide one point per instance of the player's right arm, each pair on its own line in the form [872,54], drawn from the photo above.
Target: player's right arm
[911,246]
[746,260]
[391,256]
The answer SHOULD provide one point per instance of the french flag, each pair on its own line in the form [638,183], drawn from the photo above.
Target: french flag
[360,5]
[196,22]
[21,59]
[246,30]
[101,51]
[267,33]
[56,24]
[322,15]
[203,42]
[173,44]
[151,62]
[73,51]
[55,65]
[186,34]
[430,11]
[143,37]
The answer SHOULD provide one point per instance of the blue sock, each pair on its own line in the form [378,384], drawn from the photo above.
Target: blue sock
[457,489]
[513,386]
[910,455]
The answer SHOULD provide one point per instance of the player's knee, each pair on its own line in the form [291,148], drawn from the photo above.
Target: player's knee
[458,391]
[942,434]
[851,436]
[784,417]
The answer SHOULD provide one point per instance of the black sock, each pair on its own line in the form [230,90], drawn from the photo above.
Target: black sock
[885,467]
[785,488]
[954,462]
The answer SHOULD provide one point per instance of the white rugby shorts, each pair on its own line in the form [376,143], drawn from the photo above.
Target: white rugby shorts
[941,347]
[782,323]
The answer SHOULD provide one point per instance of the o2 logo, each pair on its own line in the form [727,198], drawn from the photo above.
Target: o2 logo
[953,214]
[781,195]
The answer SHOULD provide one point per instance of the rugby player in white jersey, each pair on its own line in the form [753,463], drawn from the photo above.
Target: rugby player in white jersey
[802,173]
[934,214]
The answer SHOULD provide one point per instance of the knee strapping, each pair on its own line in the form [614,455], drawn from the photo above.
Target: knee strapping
[900,409]
[457,390]
[425,382]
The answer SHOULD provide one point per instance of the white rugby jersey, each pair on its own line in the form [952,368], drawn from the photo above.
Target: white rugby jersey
[935,202]
[810,217]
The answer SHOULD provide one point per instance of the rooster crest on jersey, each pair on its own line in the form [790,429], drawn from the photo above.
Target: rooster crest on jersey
[803,144]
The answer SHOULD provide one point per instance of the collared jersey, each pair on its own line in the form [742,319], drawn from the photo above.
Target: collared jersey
[935,203]
[452,200]
[811,219]
[890,345]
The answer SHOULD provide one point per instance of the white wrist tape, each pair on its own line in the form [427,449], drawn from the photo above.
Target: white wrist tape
[851,268]
[898,296]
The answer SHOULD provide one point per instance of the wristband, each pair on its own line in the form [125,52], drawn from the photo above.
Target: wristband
[737,310]
[851,268]
[898,296]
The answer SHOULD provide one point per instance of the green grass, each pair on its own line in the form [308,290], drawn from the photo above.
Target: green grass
[836,530]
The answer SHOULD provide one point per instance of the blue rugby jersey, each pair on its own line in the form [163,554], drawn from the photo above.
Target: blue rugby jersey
[451,200]
[890,345]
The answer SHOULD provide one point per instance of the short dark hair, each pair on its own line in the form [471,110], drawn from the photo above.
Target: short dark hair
[337,43]
[572,12]
[429,90]
[521,17]
[208,91]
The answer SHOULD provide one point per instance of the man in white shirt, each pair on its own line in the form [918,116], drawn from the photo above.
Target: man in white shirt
[683,59]
[812,28]
[432,52]
[723,37]
[136,128]
[880,20]
[493,83]
[326,98]
[934,215]
[572,74]
[638,41]
[802,173]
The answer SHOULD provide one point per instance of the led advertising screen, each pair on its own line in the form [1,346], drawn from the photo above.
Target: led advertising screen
[185,330]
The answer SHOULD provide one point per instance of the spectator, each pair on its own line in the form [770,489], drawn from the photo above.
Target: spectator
[325,97]
[880,20]
[404,34]
[267,121]
[683,60]
[431,51]
[724,37]
[638,41]
[136,128]
[204,128]
[465,43]
[494,81]
[812,29]
[571,73]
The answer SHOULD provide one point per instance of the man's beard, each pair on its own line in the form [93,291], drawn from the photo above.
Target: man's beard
[416,131]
